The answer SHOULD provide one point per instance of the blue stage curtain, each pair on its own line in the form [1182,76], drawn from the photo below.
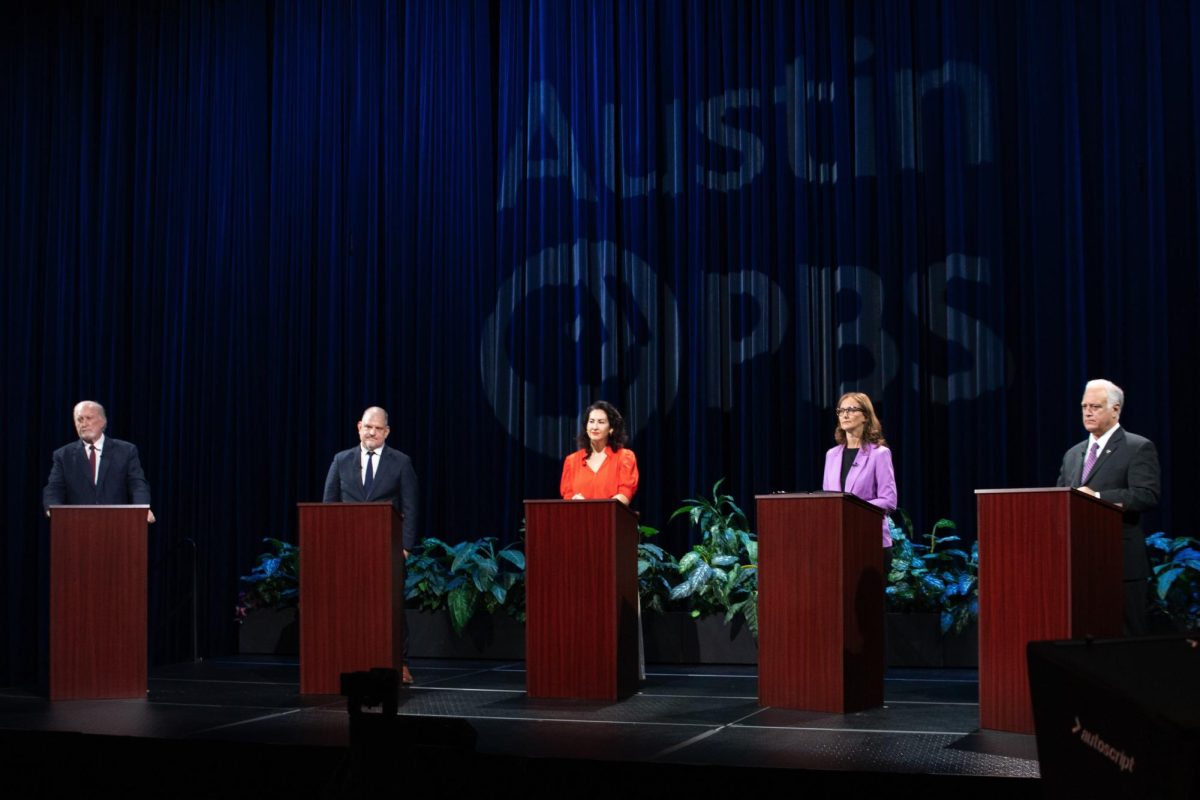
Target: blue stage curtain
[238,224]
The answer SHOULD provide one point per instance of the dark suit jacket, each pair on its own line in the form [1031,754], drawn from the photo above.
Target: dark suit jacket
[120,481]
[1125,473]
[395,480]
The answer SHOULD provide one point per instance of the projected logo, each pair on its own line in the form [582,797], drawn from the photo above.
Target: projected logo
[585,309]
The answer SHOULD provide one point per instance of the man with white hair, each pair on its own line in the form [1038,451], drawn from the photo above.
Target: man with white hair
[1120,467]
[96,470]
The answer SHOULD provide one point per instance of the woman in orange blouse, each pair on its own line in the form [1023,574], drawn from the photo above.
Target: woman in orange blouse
[603,467]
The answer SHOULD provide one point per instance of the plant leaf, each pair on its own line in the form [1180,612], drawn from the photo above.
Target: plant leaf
[514,557]
[461,602]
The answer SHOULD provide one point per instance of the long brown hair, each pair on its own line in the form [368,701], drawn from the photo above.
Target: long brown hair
[872,427]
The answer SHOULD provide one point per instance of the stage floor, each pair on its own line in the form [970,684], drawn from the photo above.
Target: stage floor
[703,715]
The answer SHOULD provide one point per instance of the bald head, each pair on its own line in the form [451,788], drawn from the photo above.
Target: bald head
[373,428]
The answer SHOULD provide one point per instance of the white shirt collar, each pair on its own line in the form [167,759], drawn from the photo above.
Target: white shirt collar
[1103,440]
[99,443]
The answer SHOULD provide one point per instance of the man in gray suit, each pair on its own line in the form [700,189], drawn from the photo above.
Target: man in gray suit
[1120,467]
[373,473]
[97,470]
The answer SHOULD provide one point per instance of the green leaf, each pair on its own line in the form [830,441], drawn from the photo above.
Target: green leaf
[498,592]
[461,602]
[751,546]
[699,575]
[463,553]
[653,550]
[514,557]
[681,591]
[1165,580]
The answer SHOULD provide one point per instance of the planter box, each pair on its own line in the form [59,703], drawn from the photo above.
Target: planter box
[916,640]
[269,631]
[913,640]
[673,638]
[430,635]
[677,638]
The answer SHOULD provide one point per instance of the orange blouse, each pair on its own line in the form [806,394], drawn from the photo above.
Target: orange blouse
[618,475]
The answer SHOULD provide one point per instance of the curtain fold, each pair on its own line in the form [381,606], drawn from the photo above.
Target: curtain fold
[237,225]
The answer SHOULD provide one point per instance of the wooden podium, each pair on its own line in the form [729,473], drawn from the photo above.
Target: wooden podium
[1049,568]
[97,602]
[351,591]
[820,602]
[581,596]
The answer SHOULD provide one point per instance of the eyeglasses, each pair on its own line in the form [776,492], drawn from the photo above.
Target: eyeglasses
[847,411]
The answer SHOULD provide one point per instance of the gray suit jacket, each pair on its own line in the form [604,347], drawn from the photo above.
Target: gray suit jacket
[395,480]
[1126,473]
[120,482]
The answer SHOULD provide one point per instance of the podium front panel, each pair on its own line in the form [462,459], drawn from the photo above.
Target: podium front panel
[351,592]
[820,603]
[97,602]
[1049,568]
[581,599]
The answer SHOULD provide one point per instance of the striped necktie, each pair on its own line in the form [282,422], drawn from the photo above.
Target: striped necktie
[1090,463]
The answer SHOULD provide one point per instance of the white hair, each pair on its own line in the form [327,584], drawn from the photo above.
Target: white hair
[1116,395]
[93,404]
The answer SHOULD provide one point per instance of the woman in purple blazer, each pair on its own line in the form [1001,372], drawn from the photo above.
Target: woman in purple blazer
[861,463]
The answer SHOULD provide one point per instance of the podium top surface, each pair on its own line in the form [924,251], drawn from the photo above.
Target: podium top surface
[606,501]
[93,508]
[340,503]
[821,496]
[1051,490]
[590,500]
[1028,490]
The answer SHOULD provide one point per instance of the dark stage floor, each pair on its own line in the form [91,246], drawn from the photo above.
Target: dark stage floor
[699,725]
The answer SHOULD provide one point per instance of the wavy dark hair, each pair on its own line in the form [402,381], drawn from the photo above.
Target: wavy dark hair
[872,428]
[616,435]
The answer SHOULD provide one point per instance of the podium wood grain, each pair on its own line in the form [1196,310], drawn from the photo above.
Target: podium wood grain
[97,602]
[581,599]
[820,602]
[351,592]
[1049,568]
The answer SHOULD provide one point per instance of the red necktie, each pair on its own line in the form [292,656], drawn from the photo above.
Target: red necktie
[92,461]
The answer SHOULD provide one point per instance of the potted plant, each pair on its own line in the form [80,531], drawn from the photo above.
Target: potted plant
[454,592]
[657,571]
[267,607]
[933,597]
[1176,579]
[719,584]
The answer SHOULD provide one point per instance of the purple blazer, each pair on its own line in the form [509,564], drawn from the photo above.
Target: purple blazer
[871,478]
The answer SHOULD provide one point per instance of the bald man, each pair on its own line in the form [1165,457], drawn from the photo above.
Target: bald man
[391,473]
[372,473]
